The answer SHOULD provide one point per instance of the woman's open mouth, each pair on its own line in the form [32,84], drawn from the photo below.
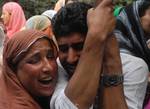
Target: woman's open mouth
[46,80]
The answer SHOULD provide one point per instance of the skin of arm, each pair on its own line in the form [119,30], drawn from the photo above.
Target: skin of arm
[113,96]
[82,87]
[112,65]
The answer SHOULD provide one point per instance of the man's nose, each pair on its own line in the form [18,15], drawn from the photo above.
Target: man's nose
[73,55]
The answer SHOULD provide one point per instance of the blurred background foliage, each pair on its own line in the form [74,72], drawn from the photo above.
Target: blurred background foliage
[35,7]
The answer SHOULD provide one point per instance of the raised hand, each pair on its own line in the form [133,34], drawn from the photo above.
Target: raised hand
[100,20]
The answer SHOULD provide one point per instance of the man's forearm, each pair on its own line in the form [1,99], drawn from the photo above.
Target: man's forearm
[113,96]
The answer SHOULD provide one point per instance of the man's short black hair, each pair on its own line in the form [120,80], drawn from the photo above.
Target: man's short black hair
[71,19]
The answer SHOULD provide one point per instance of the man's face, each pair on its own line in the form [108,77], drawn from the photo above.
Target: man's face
[145,21]
[70,48]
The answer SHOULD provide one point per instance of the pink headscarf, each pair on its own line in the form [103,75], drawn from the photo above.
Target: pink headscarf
[17,18]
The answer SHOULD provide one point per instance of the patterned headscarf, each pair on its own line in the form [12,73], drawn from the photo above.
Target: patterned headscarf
[12,93]
[130,33]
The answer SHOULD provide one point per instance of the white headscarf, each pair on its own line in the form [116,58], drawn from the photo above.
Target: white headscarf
[49,13]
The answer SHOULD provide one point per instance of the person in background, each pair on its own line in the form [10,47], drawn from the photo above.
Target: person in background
[2,38]
[49,13]
[62,3]
[29,71]
[132,32]
[146,104]
[59,4]
[13,18]
[42,23]
[2,25]
[39,22]
[2,32]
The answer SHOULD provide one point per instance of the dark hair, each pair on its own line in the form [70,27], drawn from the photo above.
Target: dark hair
[143,8]
[71,19]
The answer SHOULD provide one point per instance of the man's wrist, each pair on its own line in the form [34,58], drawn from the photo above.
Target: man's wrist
[97,35]
[110,80]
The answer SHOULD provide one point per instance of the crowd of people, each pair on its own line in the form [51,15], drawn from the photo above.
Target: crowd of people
[78,55]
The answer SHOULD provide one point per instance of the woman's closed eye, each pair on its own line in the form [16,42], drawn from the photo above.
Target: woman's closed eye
[34,59]
[50,54]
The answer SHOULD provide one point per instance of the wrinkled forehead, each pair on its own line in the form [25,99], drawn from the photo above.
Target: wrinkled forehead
[20,42]
[40,44]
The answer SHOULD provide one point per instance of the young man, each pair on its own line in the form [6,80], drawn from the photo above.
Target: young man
[74,26]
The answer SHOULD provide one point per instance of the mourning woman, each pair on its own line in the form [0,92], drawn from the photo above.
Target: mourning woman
[29,71]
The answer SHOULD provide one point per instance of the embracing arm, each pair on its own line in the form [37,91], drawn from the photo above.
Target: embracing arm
[82,87]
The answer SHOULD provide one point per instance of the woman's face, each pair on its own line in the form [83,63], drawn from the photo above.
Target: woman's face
[145,21]
[37,71]
[5,17]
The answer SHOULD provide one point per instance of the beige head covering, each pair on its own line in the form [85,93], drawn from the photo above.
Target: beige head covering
[38,22]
